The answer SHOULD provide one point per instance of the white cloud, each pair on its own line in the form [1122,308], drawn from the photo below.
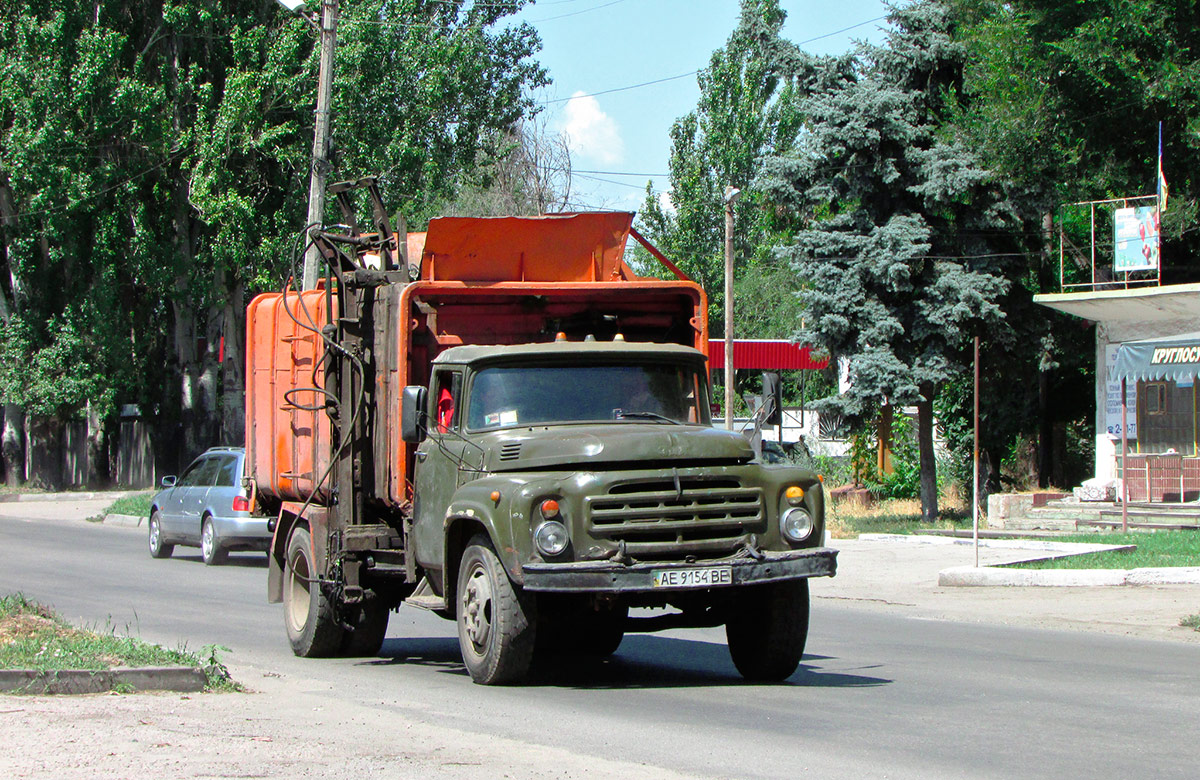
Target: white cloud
[665,202]
[591,133]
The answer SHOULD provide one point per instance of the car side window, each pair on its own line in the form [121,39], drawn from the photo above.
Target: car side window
[204,474]
[227,471]
[189,477]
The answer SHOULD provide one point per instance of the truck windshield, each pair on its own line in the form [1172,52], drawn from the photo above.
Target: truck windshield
[503,397]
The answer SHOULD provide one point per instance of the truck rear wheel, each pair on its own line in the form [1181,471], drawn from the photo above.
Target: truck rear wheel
[370,626]
[312,627]
[496,620]
[767,630]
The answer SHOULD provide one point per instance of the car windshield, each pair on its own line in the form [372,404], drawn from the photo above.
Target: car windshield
[504,396]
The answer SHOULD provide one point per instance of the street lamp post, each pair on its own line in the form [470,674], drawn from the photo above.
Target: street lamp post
[327,27]
[731,196]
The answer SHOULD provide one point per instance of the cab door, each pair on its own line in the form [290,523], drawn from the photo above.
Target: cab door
[438,461]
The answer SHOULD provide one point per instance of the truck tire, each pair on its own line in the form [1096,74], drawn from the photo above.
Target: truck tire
[767,630]
[210,545]
[370,626]
[312,626]
[157,548]
[496,620]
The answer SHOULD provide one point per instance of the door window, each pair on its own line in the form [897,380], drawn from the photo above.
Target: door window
[201,473]
[447,384]
[227,471]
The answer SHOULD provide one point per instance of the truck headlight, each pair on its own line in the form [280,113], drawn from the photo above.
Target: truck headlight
[551,538]
[796,524]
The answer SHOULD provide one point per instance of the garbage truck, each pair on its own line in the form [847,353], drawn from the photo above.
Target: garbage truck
[499,421]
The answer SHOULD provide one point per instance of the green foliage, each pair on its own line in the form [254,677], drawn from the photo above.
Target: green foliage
[137,505]
[898,217]
[1191,621]
[746,109]
[1067,98]
[42,640]
[154,165]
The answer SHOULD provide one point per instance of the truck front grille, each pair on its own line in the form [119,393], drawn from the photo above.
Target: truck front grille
[702,519]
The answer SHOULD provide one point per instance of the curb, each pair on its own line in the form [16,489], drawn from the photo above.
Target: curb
[992,576]
[183,679]
[124,521]
[1074,548]
[10,498]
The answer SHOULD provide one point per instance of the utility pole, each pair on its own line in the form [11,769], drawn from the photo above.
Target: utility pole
[731,195]
[320,154]
[327,28]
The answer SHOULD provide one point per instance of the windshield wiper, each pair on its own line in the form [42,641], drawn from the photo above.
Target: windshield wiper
[648,416]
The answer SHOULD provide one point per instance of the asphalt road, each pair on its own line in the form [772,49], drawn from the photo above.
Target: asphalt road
[877,696]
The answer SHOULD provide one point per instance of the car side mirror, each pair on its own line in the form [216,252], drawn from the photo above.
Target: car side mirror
[412,414]
[168,482]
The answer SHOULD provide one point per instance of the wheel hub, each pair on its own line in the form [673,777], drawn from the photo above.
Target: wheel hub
[477,607]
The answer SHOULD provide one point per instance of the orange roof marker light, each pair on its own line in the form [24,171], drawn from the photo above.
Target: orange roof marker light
[560,336]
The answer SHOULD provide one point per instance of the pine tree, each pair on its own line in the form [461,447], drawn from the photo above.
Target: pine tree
[903,245]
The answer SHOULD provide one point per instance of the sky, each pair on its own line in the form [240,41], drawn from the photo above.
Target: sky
[621,139]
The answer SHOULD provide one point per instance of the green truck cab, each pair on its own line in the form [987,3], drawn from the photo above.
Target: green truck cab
[560,485]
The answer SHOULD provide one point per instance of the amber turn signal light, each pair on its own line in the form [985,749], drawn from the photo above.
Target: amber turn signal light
[549,508]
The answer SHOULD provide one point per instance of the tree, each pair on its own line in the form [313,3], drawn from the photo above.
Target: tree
[529,173]
[153,165]
[1067,97]
[903,244]
[746,110]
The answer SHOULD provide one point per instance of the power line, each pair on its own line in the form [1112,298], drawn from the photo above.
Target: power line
[694,72]
[576,13]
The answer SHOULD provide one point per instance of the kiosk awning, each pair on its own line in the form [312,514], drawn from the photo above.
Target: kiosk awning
[1168,357]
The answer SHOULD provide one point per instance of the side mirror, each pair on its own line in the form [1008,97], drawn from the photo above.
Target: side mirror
[168,482]
[412,414]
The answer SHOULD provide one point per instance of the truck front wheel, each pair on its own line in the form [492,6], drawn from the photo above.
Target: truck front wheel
[496,620]
[767,629]
[312,626]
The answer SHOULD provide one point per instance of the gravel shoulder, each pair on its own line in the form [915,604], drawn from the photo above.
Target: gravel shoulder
[281,730]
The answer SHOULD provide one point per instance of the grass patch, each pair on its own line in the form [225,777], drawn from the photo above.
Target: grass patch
[1192,622]
[848,519]
[32,636]
[137,505]
[1154,549]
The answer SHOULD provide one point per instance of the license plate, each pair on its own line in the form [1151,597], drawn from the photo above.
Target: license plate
[693,578]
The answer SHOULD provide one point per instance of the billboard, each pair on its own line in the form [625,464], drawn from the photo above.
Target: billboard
[1135,235]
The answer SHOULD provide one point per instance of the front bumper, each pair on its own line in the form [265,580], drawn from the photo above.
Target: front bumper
[608,577]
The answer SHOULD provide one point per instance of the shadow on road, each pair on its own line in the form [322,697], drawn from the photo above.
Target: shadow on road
[641,662]
[242,560]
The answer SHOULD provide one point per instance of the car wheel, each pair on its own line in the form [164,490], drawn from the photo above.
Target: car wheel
[767,630]
[157,548]
[370,626]
[496,620]
[312,627]
[210,545]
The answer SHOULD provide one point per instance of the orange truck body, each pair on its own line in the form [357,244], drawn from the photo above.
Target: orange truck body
[505,280]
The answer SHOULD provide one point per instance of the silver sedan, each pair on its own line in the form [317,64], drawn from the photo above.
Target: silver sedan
[207,507]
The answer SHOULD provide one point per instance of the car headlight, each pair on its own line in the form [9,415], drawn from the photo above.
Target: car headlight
[796,524]
[551,537]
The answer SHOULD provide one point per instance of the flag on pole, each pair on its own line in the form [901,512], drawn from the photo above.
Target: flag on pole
[1162,180]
